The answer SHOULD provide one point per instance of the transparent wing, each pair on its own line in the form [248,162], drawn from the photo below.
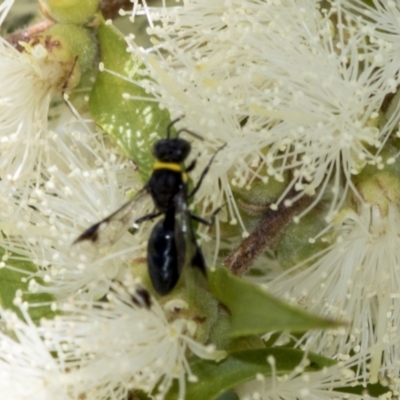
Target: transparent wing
[182,229]
[188,250]
[106,232]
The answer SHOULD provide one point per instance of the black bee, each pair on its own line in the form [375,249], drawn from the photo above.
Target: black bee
[172,243]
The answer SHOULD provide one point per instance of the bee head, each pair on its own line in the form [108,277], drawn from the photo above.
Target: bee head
[171,150]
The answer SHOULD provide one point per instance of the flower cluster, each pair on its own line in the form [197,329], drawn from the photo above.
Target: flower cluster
[280,84]
[303,94]
[59,175]
[354,280]
[48,225]
[104,349]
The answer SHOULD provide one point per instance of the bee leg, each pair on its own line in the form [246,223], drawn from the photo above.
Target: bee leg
[209,222]
[191,166]
[204,173]
[146,218]
[135,225]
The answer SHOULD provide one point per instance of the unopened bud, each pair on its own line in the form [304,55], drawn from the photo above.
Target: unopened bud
[382,189]
[69,11]
[378,186]
[62,53]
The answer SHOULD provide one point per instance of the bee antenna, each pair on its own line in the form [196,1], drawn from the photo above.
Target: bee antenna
[196,135]
[172,123]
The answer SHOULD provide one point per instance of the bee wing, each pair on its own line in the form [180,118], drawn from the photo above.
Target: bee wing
[106,232]
[188,251]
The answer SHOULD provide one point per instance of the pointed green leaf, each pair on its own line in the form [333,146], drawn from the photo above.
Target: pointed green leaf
[130,122]
[12,280]
[238,367]
[254,311]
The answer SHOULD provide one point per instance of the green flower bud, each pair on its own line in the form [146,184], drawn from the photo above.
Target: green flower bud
[62,54]
[380,185]
[382,189]
[69,11]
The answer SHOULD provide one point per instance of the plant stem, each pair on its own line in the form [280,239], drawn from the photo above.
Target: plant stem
[264,235]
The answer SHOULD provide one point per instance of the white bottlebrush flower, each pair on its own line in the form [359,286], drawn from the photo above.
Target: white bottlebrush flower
[85,178]
[304,385]
[120,345]
[275,81]
[27,368]
[25,94]
[355,280]
[381,23]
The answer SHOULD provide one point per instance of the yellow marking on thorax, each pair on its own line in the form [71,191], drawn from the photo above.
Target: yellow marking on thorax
[172,167]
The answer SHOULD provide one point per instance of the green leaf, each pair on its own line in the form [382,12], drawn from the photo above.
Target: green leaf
[229,396]
[130,122]
[12,280]
[374,390]
[238,367]
[254,311]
